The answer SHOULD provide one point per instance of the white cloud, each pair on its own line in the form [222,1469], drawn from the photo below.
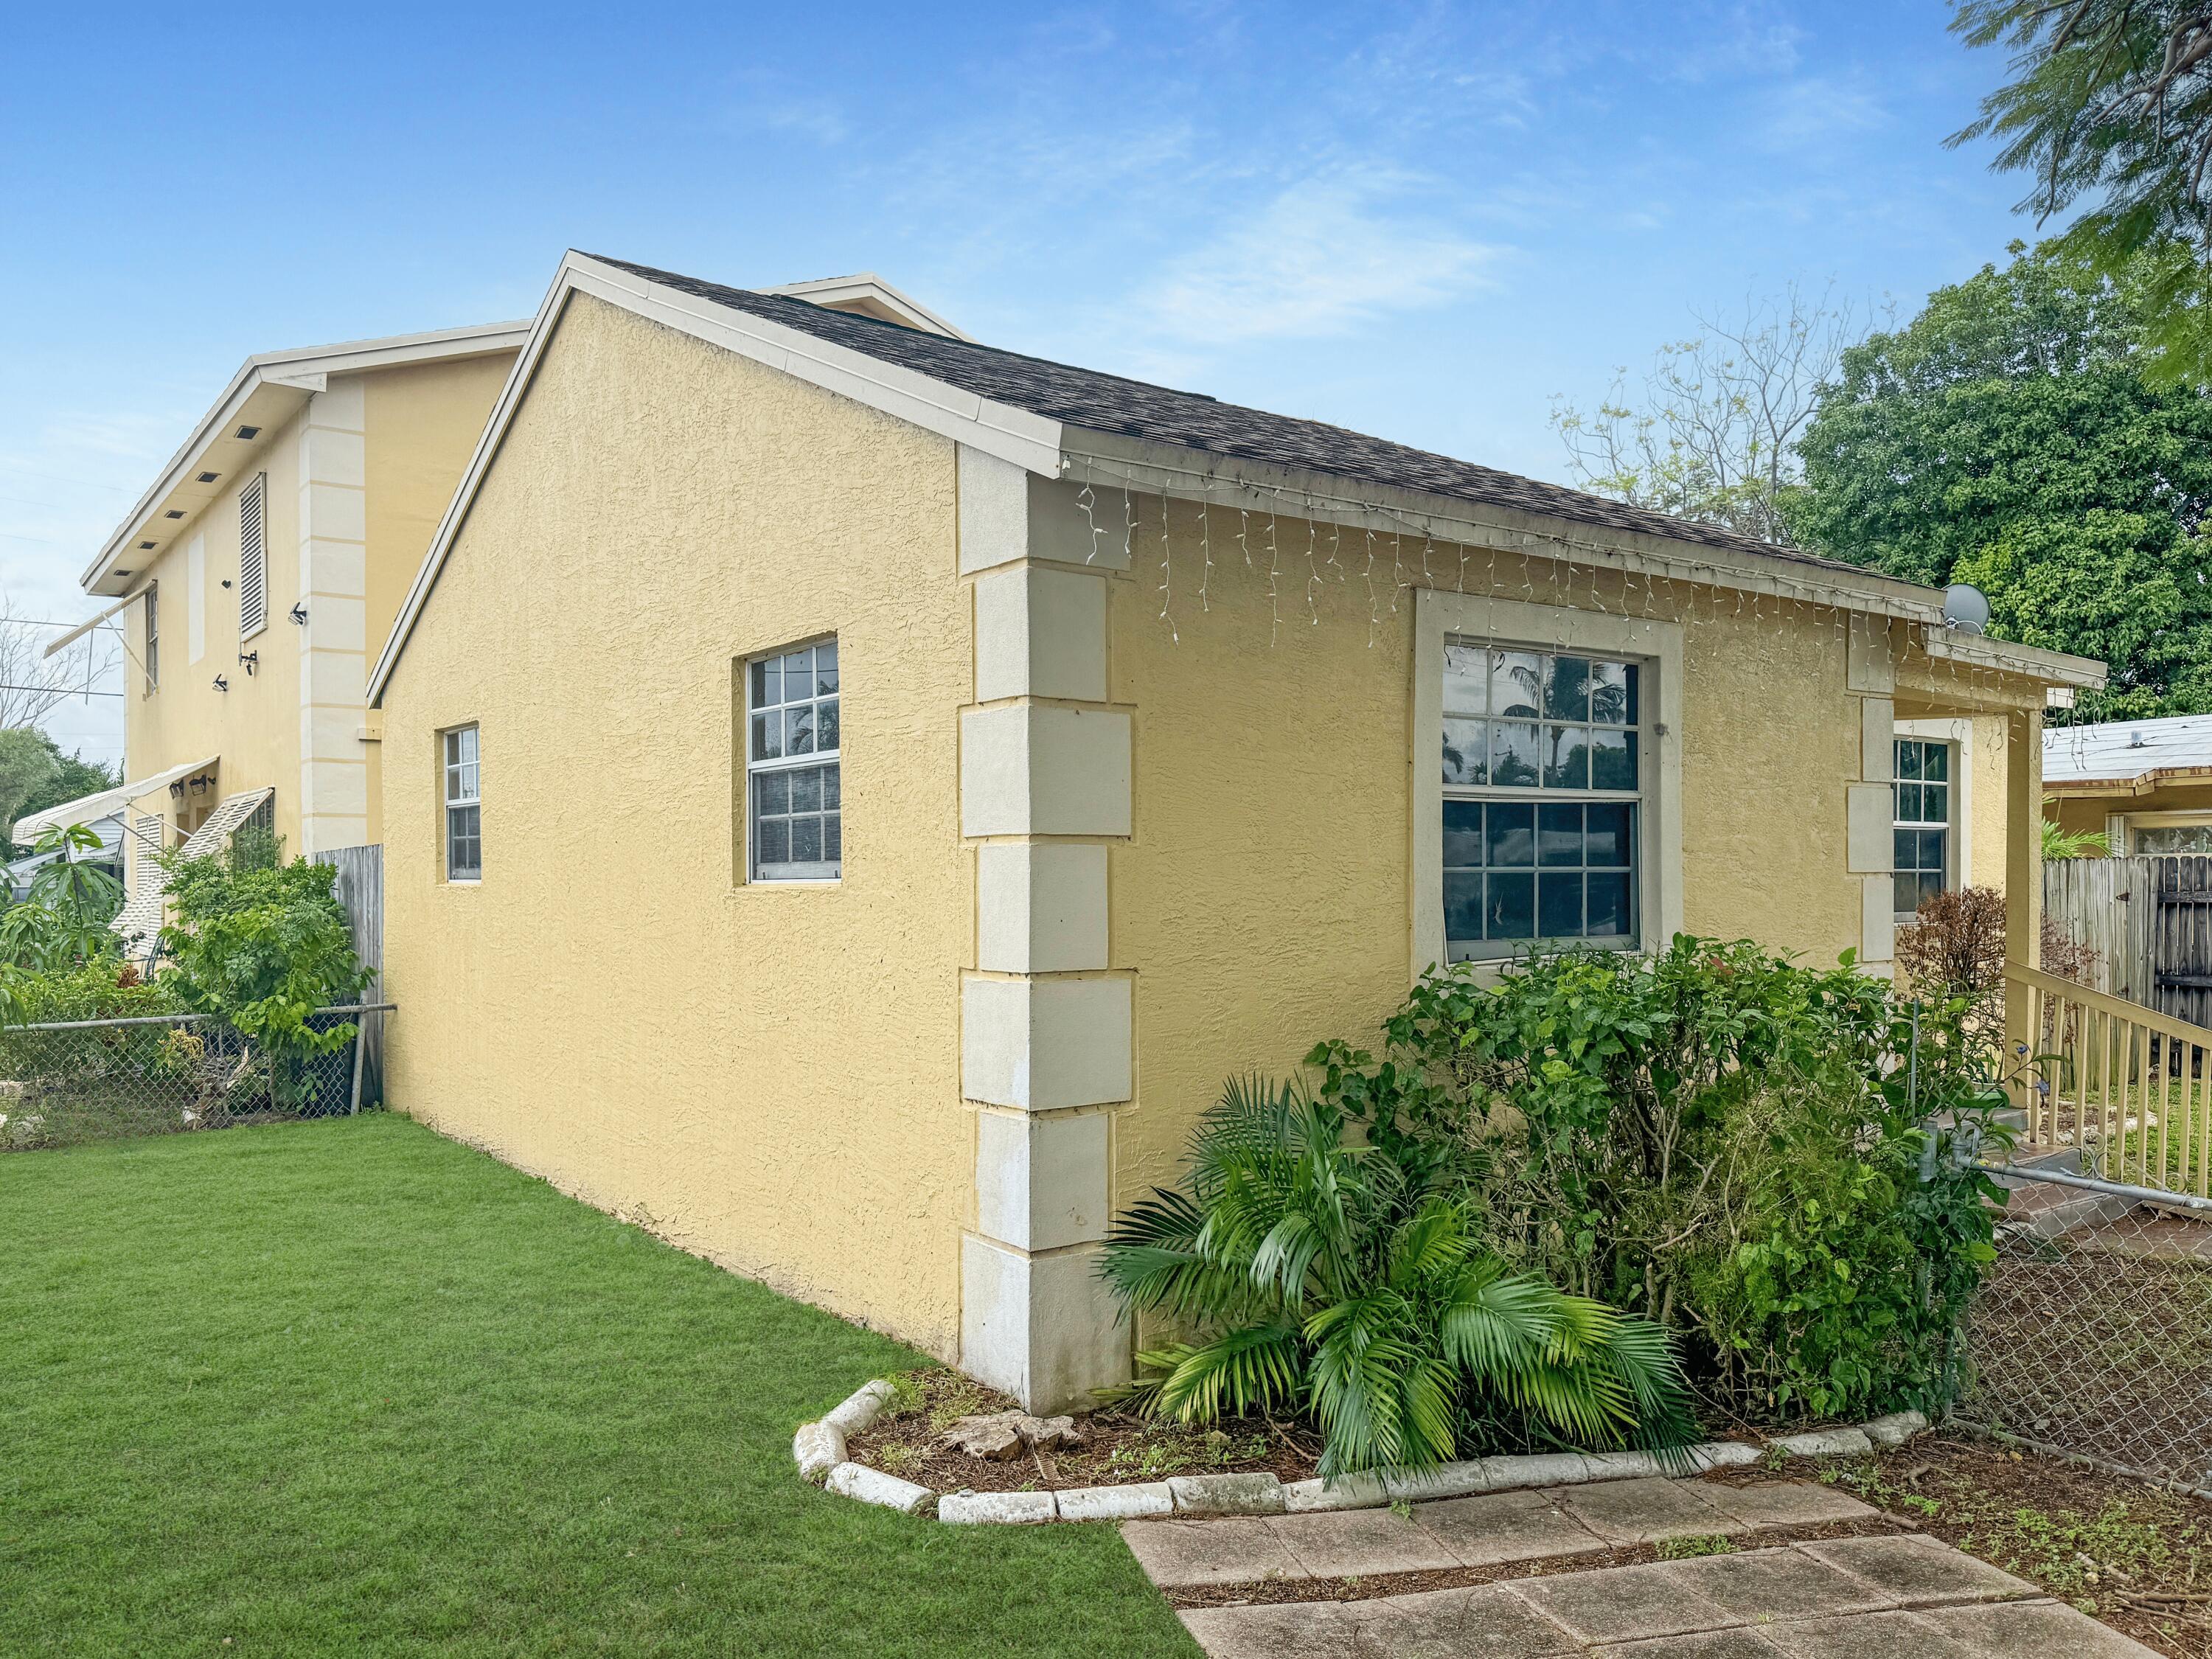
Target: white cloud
[1817,113]
[1322,257]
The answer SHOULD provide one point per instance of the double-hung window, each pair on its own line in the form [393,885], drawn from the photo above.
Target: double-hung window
[464,806]
[792,787]
[1544,756]
[153,635]
[1922,822]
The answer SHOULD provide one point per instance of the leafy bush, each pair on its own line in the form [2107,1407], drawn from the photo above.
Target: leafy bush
[1352,1285]
[1727,1142]
[63,920]
[263,946]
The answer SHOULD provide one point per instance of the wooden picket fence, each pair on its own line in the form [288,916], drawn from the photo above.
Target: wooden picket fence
[2129,1087]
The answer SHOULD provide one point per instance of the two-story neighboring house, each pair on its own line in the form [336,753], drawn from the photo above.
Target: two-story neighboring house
[259,575]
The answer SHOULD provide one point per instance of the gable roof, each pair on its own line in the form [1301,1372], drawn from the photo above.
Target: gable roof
[1060,422]
[867,294]
[1096,402]
[267,390]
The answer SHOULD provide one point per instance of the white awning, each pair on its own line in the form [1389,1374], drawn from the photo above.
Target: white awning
[32,825]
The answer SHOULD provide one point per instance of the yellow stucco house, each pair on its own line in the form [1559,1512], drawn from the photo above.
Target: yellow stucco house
[850,793]
[256,576]
[262,569]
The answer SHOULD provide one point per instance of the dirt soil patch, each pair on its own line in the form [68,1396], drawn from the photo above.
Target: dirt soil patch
[2137,1556]
[907,1441]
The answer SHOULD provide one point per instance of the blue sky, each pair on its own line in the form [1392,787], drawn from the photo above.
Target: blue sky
[1419,221]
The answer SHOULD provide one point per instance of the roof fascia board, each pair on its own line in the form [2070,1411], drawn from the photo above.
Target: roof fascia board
[1011,434]
[1110,460]
[307,370]
[2141,783]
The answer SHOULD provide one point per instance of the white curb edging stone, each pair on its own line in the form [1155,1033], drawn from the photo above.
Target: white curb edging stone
[1015,1508]
[1143,1501]
[818,1449]
[1225,1494]
[874,1486]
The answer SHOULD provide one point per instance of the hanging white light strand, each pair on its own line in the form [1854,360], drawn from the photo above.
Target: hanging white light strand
[1206,542]
[1167,574]
[1086,498]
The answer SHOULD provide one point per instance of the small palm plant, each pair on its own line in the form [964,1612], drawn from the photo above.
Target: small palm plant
[1341,1281]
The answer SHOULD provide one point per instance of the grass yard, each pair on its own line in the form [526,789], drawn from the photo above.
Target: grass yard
[349,1387]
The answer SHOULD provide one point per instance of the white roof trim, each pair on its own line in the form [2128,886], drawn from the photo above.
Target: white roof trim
[90,807]
[295,374]
[1054,451]
[836,292]
[1012,435]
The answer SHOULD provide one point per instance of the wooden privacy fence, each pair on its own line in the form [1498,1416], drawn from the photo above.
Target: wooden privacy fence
[2127,1087]
[2149,919]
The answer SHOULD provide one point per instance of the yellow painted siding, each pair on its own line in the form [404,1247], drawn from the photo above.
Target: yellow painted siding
[769,1073]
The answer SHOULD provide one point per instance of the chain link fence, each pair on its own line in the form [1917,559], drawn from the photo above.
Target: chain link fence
[2092,1336]
[71,1081]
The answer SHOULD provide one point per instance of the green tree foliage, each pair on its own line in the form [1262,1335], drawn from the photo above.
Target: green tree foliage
[27,768]
[263,945]
[2110,105]
[1351,1283]
[2010,437]
[60,777]
[63,922]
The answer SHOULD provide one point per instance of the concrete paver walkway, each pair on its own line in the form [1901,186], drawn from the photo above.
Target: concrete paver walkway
[1877,1596]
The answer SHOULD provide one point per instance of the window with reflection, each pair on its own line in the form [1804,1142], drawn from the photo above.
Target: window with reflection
[1922,822]
[1543,779]
[792,787]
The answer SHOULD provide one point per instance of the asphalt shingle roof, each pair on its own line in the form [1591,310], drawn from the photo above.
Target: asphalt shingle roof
[1109,403]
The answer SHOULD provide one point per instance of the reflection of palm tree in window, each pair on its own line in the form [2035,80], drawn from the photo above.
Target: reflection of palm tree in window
[1610,703]
[1529,679]
[1569,698]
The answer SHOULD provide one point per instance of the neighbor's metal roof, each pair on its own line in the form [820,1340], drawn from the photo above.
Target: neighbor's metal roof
[2126,748]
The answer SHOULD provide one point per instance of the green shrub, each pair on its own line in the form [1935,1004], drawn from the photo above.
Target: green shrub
[263,946]
[1724,1141]
[93,990]
[1345,1282]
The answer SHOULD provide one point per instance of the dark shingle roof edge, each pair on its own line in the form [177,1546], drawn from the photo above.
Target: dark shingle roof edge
[1114,405]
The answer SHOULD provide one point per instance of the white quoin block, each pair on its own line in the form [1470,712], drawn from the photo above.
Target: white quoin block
[1041,1181]
[1008,512]
[1040,906]
[1045,1329]
[1040,632]
[1042,1044]
[1044,769]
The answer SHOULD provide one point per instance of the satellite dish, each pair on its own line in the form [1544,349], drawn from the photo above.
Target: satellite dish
[1965,608]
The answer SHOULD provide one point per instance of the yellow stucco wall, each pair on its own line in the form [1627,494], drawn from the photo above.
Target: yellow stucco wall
[421,422]
[1262,900]
[254,726]
[770,1074]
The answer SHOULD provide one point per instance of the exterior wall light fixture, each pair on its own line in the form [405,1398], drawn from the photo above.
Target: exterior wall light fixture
[252,660]
[298,613]
[220,683]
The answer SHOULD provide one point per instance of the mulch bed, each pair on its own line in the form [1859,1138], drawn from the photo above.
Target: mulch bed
[2112,1546]
[907,1441]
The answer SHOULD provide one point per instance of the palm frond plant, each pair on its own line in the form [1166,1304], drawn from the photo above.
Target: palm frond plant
[1337,1280]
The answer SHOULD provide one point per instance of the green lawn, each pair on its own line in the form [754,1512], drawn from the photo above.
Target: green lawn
[349,1388]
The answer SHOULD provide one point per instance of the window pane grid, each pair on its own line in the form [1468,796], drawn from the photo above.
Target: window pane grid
[463,812]
[1920,857]
[795,783]
[1529,720]
[1519,873]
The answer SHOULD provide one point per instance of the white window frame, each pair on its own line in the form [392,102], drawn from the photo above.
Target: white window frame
[2133,823]
[153,615]
[1656,648]
[257,492]
[1954,762]
[823,873]
[451,771]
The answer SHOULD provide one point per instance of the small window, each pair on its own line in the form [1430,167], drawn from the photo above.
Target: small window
[1922,860]
[253,556]
[793,791]
[153,635]
[1542,780]
[2171,837]
[464,807]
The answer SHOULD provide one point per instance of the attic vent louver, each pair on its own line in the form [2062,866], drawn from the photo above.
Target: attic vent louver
[253,557]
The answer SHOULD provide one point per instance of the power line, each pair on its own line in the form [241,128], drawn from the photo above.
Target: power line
[64,692]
